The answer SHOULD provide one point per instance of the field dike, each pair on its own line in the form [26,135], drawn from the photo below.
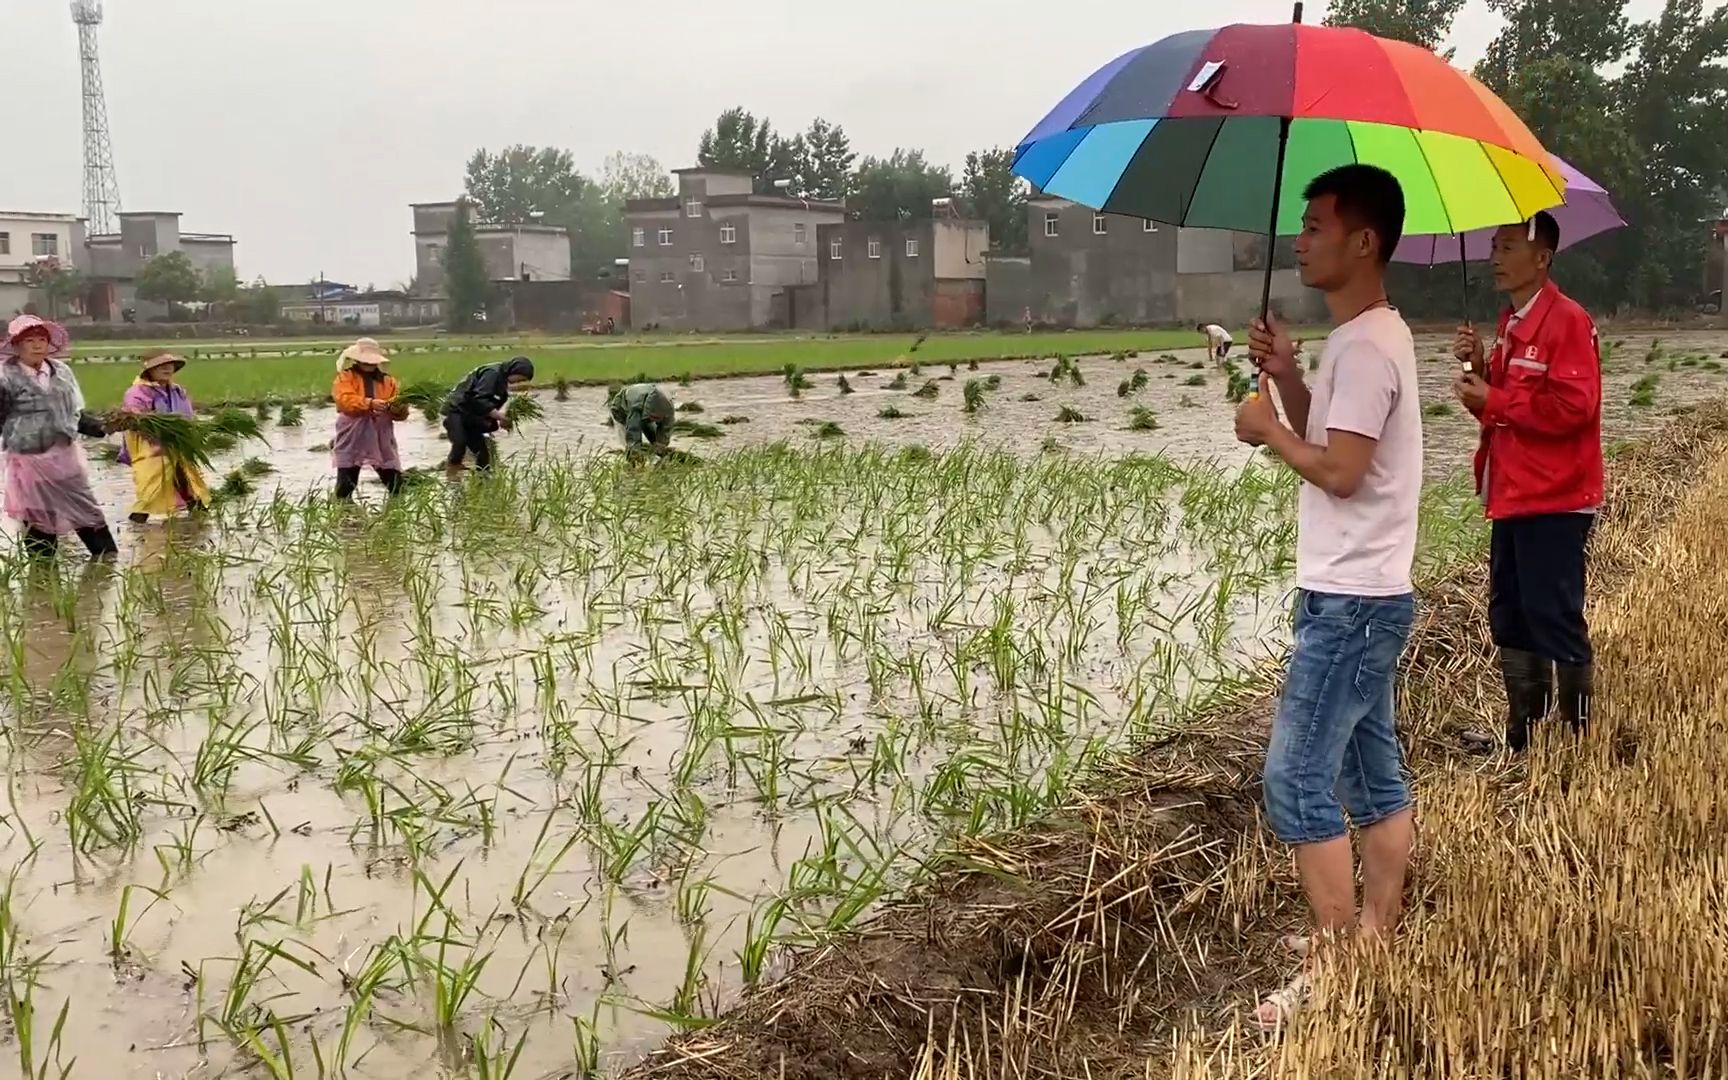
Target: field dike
[1567,912]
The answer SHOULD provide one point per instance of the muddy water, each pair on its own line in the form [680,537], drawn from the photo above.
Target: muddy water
[515,671]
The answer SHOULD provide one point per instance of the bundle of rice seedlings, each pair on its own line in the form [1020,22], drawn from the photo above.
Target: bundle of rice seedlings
[262,411]
[560,389]
[928,391]
[292,415]
[1194,380]
[686,379]
[1050,445]
[106,451]
[1074,375]
[1239,386]
[889,412]
[1124,388]
[845,387]
[828,429]
[691,407]
[1030,397]
[1067,414]
[1655,352]
[235,485]
[993,382]
[521,408]
[796,381]
[899,382]
[730,420]
[1644,391]
[238,423]
[971,365]
[696,429]
[254,467]
[953,367]
[191,442]
[1139,379]
[1142,419]
[426,396]
[1188,403]
[974,395]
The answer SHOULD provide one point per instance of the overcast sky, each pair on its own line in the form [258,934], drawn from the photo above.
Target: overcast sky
[305,128]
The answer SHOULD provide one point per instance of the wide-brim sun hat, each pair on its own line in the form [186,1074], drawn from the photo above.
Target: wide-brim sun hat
[150,363]
[365,351]
[58,338]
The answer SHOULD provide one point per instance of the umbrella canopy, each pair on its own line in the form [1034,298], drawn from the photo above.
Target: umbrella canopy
[1586,212]
[1186,130]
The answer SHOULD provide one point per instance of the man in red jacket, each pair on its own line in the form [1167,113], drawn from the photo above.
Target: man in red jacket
[1539,472]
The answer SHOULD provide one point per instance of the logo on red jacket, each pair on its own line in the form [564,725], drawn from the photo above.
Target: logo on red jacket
[1530,353]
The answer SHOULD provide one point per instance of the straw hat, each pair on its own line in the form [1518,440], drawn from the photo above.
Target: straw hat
[365,351]
[152,361]
[58,338]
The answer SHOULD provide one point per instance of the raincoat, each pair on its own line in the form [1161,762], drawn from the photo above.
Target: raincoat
[364,437]
[162,486]
[645,414]
[41,416]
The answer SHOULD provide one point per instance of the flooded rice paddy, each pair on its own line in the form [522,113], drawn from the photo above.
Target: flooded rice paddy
[522,773]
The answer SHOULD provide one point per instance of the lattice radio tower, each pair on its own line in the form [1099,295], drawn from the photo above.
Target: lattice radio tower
[101,187]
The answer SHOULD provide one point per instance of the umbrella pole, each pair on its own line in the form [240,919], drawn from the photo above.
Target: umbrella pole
[1272,222]
[1463,276]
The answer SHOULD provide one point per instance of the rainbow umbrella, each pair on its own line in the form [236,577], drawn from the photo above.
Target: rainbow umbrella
[1588,211]
[1222,129]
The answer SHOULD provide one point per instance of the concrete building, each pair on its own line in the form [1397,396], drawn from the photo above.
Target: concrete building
[111,261]
[347,306]
[896,276]
[1090,269]
[26,238]
[510,252]
[718,256]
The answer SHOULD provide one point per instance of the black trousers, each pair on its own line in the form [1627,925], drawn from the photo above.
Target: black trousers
[44,545]
[349,479]
[1536,586]
[468,436]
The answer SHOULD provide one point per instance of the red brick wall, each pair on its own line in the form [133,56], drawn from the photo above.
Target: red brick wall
[957,304]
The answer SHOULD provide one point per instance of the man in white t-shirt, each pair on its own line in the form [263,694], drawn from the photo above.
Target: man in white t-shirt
[1218,341]
[1355,437]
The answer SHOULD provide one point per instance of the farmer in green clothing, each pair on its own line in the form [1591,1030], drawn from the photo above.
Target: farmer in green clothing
[645,415]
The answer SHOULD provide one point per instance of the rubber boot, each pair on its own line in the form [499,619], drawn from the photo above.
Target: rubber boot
[39,544]
[1576,685]
[1529,694]
[99,541]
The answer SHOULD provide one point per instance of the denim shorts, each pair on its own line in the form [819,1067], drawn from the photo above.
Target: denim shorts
[1334,741]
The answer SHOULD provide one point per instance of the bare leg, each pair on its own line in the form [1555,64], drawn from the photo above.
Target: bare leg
[1329,883]
[1385,857]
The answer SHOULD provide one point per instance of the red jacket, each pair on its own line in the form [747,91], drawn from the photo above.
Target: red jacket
[1541,449]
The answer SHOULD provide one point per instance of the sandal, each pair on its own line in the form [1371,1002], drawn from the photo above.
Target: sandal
[1283,1003]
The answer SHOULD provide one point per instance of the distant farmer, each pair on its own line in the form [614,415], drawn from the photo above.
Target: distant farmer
[475,409]
[1355,438]
[366,415]
[163,485]
[1218,341]
[644,416]
[1539,472]
[42,415]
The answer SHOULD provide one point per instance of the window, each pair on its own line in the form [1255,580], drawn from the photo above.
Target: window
[665,237]
[834,250]
[1052,221]
[666,277]
[696,264]
[44,243]
[5,243]
[693,208]
[730,275]
[435,254]
[728,234]
[873,248]
[641,275]
[1148,225]
[911,247]
[1100,225]
[798,233]
[638,237]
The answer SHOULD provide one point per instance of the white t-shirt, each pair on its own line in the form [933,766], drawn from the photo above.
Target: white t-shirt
[1365,545]
[1218,336]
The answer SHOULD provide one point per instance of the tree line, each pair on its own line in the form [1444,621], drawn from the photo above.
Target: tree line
[1639,107]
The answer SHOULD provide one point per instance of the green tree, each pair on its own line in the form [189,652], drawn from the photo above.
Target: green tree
[994,193]
[1593,33]
[898,187]
[740,141]
[168,279]
[626,176]
[60,282]
[822,160]
[519,182]
[466,285]
[1421,22]
[259,303]
[220,286]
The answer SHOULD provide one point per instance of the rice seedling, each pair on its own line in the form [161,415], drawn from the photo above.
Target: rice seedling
[290,415]
[561,389]
[685,378]
[262,412]
[898,382]
[1237,386]
[1186,402]
[1438,409]
[992,382]
[729,421]
[425,395]
[1067,414]
[843,384]
[255,467]
[796,381]
[690,407]
[1644,391]
[890,412]
[523,408]
[1142,419]
[972,365]
[695,429]
[1194,380]
[973,395]
[1030,397]
[1654,353]
[827,429]
[928,391]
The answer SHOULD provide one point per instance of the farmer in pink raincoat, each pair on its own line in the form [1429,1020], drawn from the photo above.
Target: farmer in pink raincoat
[42,415]
[366,415]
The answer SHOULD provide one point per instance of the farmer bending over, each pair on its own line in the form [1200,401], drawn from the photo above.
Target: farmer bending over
[475,409]
[1218,341]
[1539,472]
[1355,438]
[644,414]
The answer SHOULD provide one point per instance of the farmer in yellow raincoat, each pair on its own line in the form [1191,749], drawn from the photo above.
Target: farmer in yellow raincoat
[162,486]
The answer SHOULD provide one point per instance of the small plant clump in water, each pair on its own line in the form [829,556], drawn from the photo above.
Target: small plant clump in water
[844,385]
[1239,386]
[1067,414]
[262,412]
[1439,408]
[971,365]
[691,407]
[1194,380]
[796,381]
[1644,391]
[992,382]
[828,429]
[1142,419]
[1030,397]
[890,412]
[928,391]
[686,379]
[1050,445]
[974,396]
[728,421]
[1187,402]
[696,429]
[899,382]
[560,389]
[1655,352]
[254,467]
